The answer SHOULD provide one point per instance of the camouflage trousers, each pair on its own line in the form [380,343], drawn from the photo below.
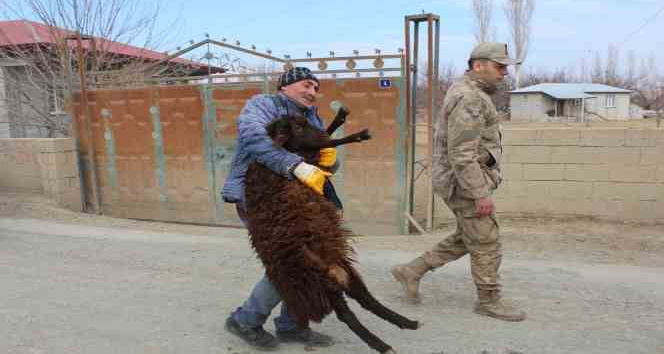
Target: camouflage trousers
[475,235]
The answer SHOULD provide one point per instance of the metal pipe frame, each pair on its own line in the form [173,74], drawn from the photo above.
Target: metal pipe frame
[433,41]
[268,56]
[82,66]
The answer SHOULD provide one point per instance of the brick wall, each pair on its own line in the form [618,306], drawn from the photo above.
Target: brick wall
[41,165]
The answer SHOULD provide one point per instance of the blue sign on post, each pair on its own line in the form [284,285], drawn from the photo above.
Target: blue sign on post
[384,83]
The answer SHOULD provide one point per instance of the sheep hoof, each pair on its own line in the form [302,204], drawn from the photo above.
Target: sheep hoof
[390,351]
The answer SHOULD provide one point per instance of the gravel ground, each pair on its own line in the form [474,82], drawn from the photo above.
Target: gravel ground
[76,283]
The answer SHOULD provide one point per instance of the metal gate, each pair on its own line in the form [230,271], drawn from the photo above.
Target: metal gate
[162,152]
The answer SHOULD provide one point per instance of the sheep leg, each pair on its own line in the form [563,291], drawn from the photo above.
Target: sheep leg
[338,121]
[345,315]
[353,138]
[358,291]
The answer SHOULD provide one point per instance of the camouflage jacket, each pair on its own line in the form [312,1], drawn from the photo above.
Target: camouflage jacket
[467,147]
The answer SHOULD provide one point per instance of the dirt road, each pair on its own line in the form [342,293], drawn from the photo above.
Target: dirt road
[75,283]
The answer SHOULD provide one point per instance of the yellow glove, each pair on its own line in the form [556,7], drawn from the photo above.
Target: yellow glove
[312,176]
[328,157]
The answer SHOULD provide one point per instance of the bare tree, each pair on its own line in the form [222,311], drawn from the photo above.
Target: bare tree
[483,11]
[519,14]
[597,74]
[630,72]
[649,87]
[44,74]
[583,70]
[611,71]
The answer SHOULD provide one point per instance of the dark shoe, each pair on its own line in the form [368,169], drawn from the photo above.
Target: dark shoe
[256,337]
[306,336]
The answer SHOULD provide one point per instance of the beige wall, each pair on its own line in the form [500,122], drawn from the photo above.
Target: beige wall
[529,107]
[47,166]
[610,172]
[620,111]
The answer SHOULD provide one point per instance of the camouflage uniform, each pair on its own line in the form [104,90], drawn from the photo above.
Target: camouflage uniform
[466,167]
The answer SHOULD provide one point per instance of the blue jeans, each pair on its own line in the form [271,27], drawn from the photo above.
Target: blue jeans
[262,300]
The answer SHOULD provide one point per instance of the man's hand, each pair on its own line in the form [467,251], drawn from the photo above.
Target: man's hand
[484,206]
[328,157]
[312,176]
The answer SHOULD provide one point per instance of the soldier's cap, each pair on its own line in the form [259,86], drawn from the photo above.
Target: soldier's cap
[494,51]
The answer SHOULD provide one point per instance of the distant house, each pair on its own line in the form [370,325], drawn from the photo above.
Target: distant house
[569,101]
[29,108]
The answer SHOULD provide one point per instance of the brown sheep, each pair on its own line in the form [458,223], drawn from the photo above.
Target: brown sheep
[298,235]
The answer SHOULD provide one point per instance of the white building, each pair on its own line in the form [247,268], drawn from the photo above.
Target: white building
[575,101]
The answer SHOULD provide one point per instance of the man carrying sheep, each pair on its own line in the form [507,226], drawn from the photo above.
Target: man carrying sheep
[297,94]
[466,171]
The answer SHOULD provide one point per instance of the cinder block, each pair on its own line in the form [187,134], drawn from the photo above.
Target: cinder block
[575,154]
[554,137]
[511,188]
[71,201]
[644,211]
[659,133]
[586,172]
[47,146]
[65,144]
[641,137]
[46,159]
[519,137]
[616,156]
[566,190]
[511,205]
[512,171]
[69,170]
[633,192]
[533,189]
[602,137]
[642,174]
[566,207]
[49,172]
[652,155]
[527,154]
[60,160]
[543,172]
[73,182]
[613,209]
[659,193]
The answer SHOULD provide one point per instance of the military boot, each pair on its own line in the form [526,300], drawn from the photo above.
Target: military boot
[489,303]
[409,276]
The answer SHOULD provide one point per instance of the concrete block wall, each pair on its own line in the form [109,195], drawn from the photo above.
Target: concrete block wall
[19,165]
[47,166]
[614,172]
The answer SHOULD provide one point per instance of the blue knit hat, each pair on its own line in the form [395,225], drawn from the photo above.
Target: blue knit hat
[294,75]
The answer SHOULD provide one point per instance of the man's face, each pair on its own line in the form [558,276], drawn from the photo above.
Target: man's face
[489,71]
[302,92]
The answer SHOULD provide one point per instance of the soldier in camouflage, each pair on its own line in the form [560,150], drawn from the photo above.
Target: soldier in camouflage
[466,171]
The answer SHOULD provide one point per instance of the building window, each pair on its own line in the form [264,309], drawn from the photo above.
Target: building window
[610,100]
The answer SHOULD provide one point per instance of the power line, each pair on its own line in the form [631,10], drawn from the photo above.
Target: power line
[643,25]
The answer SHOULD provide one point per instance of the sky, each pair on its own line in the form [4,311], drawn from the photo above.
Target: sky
[563,31]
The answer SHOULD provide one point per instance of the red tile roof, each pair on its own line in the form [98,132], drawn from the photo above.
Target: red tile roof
[20,32]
